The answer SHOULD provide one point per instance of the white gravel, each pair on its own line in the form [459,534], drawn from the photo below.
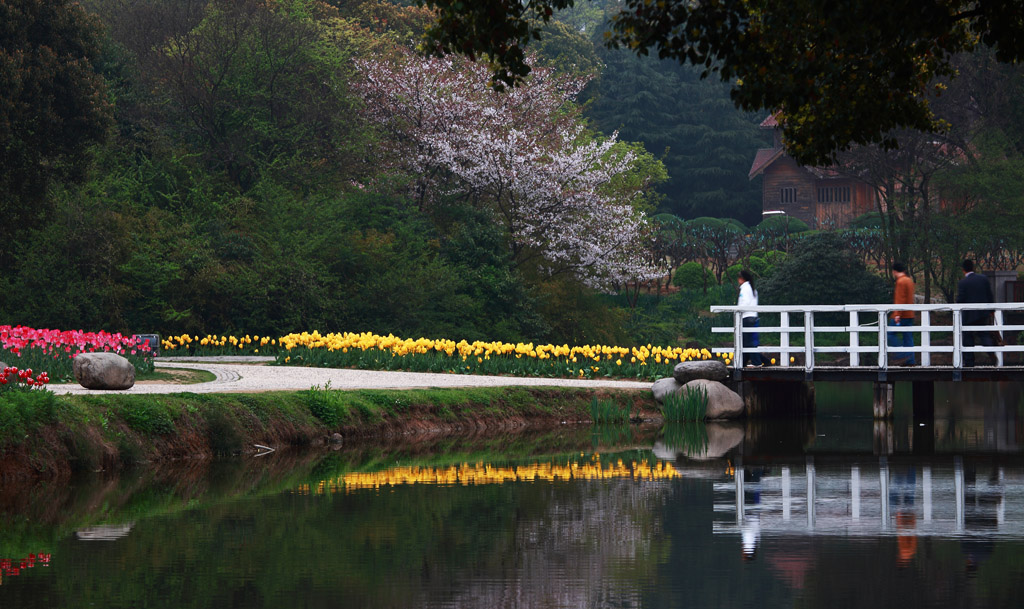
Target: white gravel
[246,378]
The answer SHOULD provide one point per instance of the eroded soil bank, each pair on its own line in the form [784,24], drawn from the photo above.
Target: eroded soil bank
[59,435]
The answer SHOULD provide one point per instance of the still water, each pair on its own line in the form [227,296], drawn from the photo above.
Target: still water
[833,511]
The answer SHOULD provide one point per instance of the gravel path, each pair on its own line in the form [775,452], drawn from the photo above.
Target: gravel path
[235,377]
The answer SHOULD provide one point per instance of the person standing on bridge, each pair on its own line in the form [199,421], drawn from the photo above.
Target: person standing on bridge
[974,287]
[748,298]
[902,294]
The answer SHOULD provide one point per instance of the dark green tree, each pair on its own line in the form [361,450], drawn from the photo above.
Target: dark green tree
[842,72]
[53,106]
[823,271]
[706,143]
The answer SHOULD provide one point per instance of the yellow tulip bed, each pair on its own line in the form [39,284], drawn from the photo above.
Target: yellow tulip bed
[375,352]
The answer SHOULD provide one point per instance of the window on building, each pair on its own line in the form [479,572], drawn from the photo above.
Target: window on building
[787,195]
[834,194]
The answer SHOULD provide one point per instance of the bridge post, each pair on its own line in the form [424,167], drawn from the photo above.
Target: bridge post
[883,442]
[884,393]
[854,339]
[737,341]
[926,340]
[923,396]
[776,399]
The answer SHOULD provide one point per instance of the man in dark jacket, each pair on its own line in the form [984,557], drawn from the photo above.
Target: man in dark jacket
[974,287]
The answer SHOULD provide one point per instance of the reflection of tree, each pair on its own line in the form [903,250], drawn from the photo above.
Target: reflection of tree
[588,536]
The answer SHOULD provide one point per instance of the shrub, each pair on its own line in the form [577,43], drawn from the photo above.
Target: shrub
[22,411]
[692,276]
[823,270]
[149,417]
[326,405]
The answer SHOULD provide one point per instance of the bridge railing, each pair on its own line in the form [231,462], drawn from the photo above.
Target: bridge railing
[924,329]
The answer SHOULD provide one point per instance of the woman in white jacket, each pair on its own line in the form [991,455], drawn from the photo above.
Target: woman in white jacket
[748,298]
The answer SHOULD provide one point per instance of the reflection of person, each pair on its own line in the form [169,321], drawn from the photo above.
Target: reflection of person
[974,287]
[750,530]
[748,298]
[906,539]
[903,293]
[901,497]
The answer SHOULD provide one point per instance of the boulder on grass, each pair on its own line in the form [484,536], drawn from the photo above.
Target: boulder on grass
[723,403]
[103,371]
[712,370]
[663,387]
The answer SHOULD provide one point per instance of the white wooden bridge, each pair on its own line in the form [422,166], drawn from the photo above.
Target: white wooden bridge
[805,352]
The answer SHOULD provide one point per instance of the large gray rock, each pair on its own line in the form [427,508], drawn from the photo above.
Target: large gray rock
[663,387]
[103,371]
[723,403]
[712,370]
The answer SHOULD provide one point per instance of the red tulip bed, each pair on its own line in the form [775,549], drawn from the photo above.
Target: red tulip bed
[40,355]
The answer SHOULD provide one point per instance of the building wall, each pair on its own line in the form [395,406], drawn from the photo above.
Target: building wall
[803,201]
[785,173]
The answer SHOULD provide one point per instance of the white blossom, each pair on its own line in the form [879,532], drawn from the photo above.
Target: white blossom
[524,152]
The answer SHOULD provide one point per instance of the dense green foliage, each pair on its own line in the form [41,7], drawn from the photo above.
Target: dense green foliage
[819,61]
[822,271]
[235,194]
[706,144]
[210,166]
[53,107]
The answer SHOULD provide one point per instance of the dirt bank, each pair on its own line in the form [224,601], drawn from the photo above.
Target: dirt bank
[110,432]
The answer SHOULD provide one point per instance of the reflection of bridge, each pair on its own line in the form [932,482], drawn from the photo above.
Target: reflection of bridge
[872,499]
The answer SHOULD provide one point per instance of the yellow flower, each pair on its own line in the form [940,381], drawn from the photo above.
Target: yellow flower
[618,362]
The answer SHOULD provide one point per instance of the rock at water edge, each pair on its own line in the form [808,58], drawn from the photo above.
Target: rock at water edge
[723,403]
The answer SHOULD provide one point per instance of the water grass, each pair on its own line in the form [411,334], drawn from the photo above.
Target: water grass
[607,411]
[688,404]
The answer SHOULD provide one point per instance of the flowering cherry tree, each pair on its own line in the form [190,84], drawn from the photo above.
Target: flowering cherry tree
[561,193]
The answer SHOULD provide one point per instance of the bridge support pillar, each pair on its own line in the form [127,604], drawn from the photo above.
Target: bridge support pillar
[776,399]
[923,437]
[884,393]
[924,401]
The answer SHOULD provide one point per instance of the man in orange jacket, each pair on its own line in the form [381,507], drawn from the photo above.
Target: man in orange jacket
[902,294]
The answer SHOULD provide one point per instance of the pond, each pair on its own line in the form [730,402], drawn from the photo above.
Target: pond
[831,511]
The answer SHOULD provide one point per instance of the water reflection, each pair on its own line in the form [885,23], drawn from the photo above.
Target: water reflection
[880,498]
[815,513]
